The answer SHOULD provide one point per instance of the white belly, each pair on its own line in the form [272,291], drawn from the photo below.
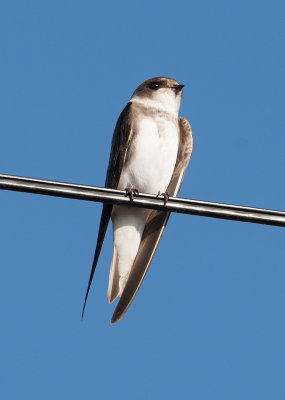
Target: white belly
[153,156]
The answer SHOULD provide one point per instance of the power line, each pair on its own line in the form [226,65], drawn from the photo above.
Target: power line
[184,206]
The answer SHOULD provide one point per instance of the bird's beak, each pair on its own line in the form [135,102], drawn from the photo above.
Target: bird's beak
[177,88]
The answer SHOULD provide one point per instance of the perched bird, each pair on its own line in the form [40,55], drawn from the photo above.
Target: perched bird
[150,151]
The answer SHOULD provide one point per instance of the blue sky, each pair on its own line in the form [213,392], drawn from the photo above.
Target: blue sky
[209,321]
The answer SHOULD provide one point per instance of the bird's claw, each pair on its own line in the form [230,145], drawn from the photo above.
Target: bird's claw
[165,196]
[131,192]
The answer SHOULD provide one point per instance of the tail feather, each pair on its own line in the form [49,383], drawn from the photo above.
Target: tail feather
[114,278]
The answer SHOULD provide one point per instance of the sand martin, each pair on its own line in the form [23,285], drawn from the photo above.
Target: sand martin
[150,151]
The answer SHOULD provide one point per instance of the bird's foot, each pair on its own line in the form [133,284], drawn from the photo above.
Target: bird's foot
[131,192]
[165,196]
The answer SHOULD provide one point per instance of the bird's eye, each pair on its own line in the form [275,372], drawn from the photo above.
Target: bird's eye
[154,85]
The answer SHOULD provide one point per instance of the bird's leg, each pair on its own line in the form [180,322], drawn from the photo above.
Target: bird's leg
[165,196]
[131,192]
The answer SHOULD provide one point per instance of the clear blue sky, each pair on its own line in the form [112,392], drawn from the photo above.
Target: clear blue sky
[209,320]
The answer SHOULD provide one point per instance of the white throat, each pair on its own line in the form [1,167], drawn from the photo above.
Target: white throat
[164,103]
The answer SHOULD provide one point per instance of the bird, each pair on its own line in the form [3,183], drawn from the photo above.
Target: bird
[150,151]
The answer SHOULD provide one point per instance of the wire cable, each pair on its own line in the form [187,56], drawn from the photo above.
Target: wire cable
[174,204]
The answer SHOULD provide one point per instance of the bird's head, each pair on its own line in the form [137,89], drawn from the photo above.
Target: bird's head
[161,92]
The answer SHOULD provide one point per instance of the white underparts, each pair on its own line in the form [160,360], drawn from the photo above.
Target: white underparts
[151,161]
[128,226]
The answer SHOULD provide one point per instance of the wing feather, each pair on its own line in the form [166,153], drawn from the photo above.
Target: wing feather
[120,144]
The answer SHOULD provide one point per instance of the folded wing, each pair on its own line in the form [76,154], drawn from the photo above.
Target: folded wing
[120,144]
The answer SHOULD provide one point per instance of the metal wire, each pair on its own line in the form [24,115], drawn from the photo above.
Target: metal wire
[174,204]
